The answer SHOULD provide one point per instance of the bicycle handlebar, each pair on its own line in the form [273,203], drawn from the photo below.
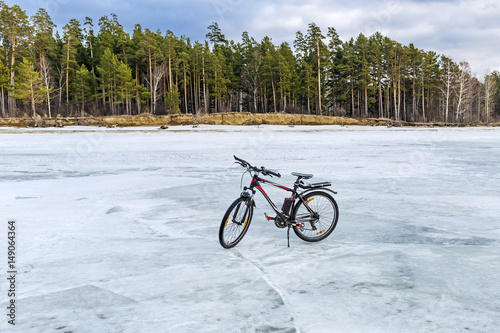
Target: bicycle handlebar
[250,167]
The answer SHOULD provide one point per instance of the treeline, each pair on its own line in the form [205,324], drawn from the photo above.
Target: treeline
[99,69]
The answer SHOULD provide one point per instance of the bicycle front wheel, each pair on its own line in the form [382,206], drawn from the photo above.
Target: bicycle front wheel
[235,222]
[317,214]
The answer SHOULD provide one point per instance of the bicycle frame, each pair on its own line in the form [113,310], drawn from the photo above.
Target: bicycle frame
[256,184]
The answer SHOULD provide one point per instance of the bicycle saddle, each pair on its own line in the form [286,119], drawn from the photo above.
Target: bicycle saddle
[302,175]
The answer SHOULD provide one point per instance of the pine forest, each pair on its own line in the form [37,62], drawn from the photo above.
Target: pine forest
[88,68]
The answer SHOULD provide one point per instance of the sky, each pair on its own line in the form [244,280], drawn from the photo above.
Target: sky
[460,29]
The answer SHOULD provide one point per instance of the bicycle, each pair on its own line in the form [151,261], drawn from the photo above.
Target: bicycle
[312,213]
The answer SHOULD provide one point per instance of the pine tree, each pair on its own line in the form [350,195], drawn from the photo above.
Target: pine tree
[44,46]
[125,86]
[333,46]
[137,63]
[306,78]
[496,74]
[269,70]
[90,40]
[252,61]
[287,66]
[172,100]
[83,87]
[415,56]
[376,43]
[29,86]
[72,38]
[318,53]
[169,44]
[44,42]
[430,83]
[15,31]
[183,63]
[347,68]
[364,59]
[107,69]
[215,35]
[112,36]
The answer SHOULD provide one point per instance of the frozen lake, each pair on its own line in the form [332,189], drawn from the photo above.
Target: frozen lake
[117,230]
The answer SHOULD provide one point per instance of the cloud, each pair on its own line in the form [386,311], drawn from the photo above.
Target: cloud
[457,28]
[462,30]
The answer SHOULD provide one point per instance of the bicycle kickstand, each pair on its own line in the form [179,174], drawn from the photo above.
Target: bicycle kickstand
[288,235]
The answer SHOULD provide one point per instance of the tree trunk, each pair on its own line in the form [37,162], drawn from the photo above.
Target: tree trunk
[352,95]
[45,72]
[137,82]
[319,79]
[150,72]
[423,92]
[32,97]
[359,103]
[11,101]
[83,102]
[204,83]
[414,100]
[193,94]
[103,92]
[216,105]
[255,100]
[380,99]
[169,73]
[61,78]
[274,96]
[394,95]
[185,91]
[366,100]
[388,101]
[67,72]
[333,75]
[399,95]
[3,103]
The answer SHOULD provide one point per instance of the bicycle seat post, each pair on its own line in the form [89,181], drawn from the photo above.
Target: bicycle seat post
[296,183]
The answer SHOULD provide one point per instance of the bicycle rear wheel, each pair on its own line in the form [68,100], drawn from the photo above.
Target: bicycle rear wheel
[235,222]
[318,214]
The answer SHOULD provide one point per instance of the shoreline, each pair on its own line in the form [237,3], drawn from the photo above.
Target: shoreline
[200,129]
[233,118]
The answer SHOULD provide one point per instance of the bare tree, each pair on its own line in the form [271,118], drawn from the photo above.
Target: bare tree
[448,83]
[464,91]
[158,73]
[489,94]
[46,79]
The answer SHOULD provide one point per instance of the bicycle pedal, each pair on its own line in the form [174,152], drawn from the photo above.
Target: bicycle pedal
[269,218]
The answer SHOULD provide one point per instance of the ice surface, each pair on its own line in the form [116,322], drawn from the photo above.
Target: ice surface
[118,228]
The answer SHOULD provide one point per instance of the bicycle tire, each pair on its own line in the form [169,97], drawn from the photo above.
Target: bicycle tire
[235,222]
[326,211]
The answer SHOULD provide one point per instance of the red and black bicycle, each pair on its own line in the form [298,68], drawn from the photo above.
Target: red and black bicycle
[311,212]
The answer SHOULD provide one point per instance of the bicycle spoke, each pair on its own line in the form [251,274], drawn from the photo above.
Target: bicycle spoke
[236,223]
[319,223]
